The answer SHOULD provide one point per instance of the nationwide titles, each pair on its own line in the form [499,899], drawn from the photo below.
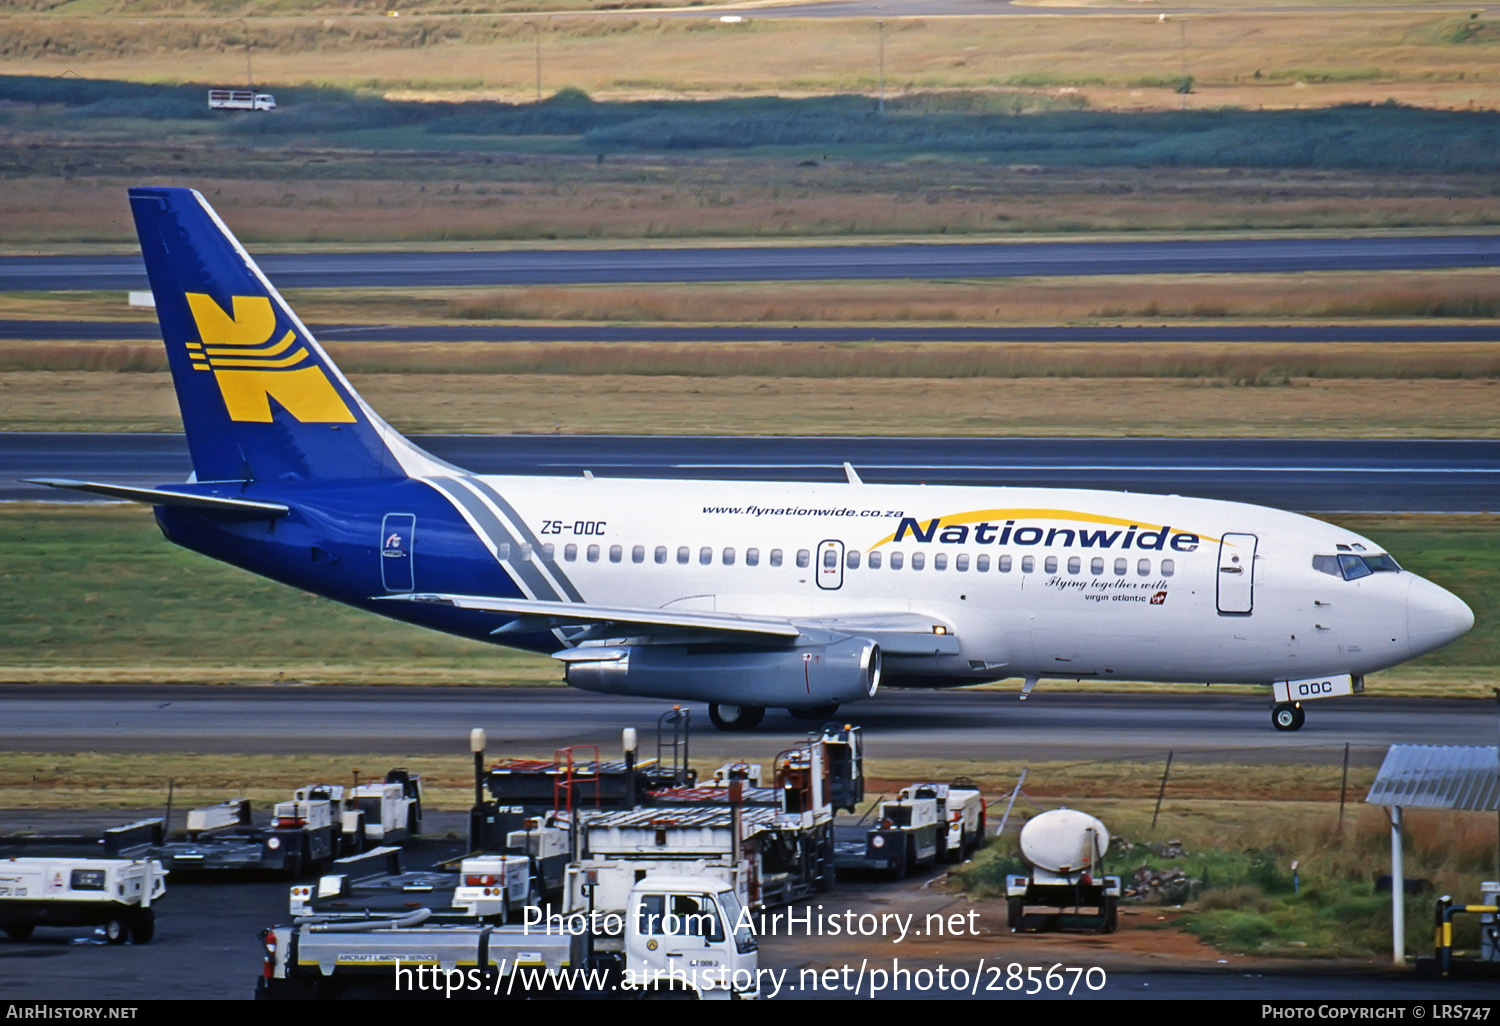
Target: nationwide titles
[1011,532]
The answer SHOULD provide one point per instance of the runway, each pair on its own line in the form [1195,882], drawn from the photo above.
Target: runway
[147,331]
[796,263]
[1197,724]
[1313,476]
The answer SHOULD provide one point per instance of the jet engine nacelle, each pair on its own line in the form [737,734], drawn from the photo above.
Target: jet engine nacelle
[808,675]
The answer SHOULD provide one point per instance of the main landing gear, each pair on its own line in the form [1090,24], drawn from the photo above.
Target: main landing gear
[1288,716]
[736,717]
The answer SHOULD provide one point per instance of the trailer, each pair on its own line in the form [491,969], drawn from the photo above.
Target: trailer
[678,936]
[240,99]
[510,792]
[58,890]
[490,888]
[1065,849]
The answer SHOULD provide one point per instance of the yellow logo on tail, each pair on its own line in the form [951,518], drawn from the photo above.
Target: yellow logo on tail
[252,369]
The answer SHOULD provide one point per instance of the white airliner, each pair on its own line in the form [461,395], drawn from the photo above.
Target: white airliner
[742,595]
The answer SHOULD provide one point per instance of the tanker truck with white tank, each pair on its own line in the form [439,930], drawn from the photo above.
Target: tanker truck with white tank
[1065,887]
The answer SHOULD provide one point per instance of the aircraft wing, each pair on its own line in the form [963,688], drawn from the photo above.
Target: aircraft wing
[536,615]
[897,633]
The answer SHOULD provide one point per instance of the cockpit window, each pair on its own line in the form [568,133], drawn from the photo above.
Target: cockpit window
[1351,567]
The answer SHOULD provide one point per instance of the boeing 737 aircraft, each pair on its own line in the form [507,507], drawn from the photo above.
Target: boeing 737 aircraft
[742,595]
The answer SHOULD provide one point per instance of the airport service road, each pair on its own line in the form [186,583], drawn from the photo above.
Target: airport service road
[1310,476]
[1195,723]
[990,8]
[207,948]
[800,263]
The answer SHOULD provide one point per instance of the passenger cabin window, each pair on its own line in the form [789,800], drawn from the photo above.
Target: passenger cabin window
[1028,564]
[852,559]
[775,557]
[875,561]
[1143,568]
[961,562]
[1075,564]
[918,560]
[1096,565]
[616,553]
[896,559]
[638,553]
[729,556]
[570,552]
[752,557]
[660,554]
[549,551]
[981,564]
[592,554]
[940,561]
[526,552]
[804,558]
[684,554]
[1121,565]
[1003,564]
[1168,567]
[831,559]
[1050,564]
[502,551]
[706,555]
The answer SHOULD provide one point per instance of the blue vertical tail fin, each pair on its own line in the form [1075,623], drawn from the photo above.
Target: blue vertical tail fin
[260,399]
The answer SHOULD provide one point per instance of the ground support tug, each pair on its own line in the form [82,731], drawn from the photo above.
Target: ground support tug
[906,838]
[107,881]
[960,815]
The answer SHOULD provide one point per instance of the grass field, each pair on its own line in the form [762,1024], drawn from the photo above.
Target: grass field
[1257,59]
[677,404]
[95,593]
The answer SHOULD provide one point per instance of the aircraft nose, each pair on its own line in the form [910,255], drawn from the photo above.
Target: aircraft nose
[1434,616]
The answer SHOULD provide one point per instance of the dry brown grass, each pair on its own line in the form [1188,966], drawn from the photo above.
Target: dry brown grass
[1275,58]
[74,191]
[1005,301]
[1212,364]
[1011,301]
[39,401]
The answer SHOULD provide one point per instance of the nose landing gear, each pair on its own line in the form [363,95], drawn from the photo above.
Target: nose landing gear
[1288,716]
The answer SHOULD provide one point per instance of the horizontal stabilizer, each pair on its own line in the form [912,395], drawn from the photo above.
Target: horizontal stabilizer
[237,508]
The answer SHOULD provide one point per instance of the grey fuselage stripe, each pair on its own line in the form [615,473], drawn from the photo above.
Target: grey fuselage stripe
[495,533]
[572,593]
